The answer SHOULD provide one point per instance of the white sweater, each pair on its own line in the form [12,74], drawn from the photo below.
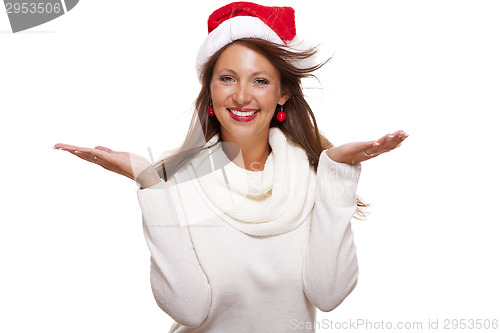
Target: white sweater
[210,277]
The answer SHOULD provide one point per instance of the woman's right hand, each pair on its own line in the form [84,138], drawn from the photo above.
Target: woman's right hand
[123,163]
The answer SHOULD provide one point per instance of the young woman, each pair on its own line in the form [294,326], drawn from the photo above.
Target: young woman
[248,223]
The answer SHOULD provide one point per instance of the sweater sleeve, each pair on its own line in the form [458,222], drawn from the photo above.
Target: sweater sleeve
[331,269]
[179,285]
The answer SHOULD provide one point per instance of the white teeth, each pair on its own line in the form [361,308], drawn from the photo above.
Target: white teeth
[243,114]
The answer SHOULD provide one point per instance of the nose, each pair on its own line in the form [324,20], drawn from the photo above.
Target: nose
[242,95]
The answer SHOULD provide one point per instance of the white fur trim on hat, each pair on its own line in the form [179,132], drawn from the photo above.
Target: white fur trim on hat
[231,30]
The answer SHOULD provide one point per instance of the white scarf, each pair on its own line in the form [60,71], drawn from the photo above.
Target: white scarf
[260,203]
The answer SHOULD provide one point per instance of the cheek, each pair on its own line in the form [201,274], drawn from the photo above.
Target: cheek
[269,97]
[217,93]
[212,90]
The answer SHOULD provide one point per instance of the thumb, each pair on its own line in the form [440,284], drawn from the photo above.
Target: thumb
[104,149]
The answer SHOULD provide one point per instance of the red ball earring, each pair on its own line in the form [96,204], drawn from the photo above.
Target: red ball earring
[211,111]
[281,116]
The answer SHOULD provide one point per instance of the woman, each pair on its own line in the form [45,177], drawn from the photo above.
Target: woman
[248,224]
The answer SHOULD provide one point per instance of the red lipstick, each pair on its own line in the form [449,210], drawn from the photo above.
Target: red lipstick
[243,119]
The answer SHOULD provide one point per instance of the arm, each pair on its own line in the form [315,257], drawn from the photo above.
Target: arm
[331,268]
[179,285]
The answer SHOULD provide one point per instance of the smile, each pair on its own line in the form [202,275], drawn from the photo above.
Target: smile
[243,112]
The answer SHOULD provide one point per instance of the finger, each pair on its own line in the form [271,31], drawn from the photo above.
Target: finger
[370,148]
[71,148]
[104,149]
[391,136]
[111,160]
[390,141]
[384,138]
[84,155]
[386,143]
[66,147]
[397,138]
[398,132]
[403,135]
[370,144]
[383,143]
[90,153]
[98,157]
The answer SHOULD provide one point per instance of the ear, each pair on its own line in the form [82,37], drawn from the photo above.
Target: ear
[284,97]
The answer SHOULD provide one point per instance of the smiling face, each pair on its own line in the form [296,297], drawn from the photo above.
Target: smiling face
[245,91]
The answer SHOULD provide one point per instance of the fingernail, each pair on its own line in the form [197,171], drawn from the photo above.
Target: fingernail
[376,144]
[389,138]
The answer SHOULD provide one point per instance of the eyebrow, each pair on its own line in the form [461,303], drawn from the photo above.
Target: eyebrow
[253,74]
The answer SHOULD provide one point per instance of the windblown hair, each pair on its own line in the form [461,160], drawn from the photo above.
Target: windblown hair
[300,126]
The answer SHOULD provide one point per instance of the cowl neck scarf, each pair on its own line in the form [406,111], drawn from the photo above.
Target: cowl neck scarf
[270,202]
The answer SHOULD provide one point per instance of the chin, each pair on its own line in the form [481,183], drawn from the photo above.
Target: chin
[246,134]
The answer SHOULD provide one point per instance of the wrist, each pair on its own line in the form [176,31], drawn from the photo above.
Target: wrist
[149,177]
[336,155]
[332,154]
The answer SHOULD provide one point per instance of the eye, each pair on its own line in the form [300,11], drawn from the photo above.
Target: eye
[262,82]
[225,78]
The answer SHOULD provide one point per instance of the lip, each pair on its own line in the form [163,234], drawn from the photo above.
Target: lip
[242,118]
[243,109]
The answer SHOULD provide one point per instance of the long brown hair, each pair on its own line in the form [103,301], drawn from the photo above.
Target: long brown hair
[300,126]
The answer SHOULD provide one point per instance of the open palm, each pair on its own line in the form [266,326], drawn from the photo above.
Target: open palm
[123,163]
[356,152]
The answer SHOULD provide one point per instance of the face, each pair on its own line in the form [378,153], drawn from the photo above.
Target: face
[245,91]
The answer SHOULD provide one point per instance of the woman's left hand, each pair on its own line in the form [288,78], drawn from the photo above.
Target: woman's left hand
[355,152]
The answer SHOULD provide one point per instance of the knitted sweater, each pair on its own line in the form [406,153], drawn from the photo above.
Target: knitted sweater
[210,277]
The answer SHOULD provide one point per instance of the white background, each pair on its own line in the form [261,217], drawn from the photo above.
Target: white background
[121,74]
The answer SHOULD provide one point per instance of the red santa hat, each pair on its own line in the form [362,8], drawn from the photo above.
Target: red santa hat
[246,20]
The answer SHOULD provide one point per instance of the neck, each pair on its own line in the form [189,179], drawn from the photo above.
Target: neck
[248,154]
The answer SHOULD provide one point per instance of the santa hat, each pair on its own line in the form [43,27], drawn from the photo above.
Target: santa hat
[246,20]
